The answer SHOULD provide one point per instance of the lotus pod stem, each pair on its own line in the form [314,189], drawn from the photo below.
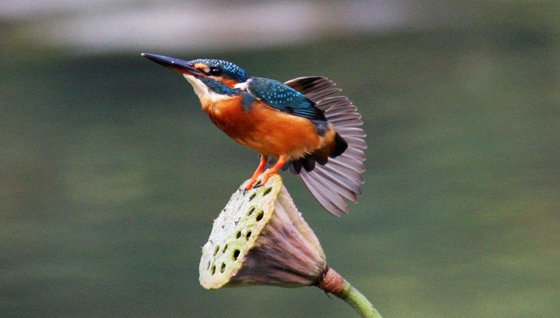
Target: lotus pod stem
[333,283]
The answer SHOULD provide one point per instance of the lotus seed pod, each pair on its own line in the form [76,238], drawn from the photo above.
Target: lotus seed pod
[261,238]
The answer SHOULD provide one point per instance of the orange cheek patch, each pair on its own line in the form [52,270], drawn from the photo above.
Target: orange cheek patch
[202,67]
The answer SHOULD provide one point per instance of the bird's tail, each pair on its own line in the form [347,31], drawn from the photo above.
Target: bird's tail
[339,179]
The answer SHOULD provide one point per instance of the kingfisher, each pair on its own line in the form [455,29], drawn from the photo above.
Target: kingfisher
[303,125]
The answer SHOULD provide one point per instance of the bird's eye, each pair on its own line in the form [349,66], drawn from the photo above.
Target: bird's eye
[215,70]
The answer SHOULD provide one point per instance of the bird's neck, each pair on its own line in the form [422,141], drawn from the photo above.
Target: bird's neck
[211,92]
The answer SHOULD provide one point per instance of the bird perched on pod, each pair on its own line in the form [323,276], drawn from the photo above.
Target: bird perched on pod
[302,124]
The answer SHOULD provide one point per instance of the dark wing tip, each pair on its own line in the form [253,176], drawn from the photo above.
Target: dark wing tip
[314,87]
[341,178]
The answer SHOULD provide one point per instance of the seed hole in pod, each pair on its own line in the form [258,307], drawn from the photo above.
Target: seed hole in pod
[251,210]
[260,215]
[208,265]
[225,248]
[236,254]
[216,249]
[258,183]
[267,191]
[248,235]
[213,269]
[223,268]
[252,196]
[238,234]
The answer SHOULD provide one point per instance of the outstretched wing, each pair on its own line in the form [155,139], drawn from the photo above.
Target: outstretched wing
[284,98]
[314,88]
[340,179]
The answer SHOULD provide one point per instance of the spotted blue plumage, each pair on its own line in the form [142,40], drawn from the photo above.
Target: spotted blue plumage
[229,70]
[284,98]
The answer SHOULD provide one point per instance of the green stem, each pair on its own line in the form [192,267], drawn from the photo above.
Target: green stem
[358,301]
[332,282]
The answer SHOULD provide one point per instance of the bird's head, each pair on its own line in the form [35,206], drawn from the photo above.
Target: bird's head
[210,78]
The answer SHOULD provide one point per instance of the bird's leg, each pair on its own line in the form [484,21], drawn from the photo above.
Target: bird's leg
[274,169]
[257,173]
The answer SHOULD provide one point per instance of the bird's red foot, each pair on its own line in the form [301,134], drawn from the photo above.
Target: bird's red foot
[255,183]
[272,170]
[252,182]
[266,175]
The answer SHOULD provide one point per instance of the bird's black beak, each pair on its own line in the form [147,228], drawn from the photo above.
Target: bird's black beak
[177,65]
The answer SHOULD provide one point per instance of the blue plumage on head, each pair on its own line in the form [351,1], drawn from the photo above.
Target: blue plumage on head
[225,69]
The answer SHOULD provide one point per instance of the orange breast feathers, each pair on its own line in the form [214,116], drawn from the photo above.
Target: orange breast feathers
[267,130]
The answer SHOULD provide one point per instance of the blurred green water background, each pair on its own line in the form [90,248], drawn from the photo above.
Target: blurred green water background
[110,175]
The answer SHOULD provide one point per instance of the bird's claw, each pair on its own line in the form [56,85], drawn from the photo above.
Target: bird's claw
[252,185]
